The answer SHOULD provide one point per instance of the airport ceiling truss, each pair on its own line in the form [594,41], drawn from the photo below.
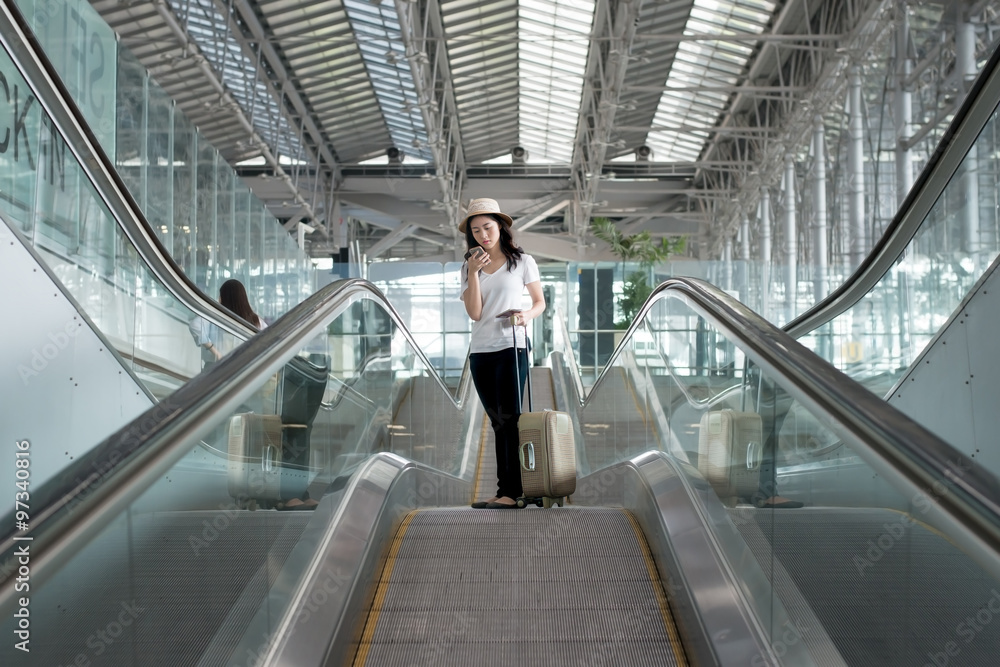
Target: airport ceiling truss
[667,116]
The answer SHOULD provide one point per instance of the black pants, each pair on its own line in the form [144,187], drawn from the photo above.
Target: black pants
[493,375]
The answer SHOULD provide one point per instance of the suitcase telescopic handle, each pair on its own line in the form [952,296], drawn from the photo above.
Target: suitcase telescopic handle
[517,368]
[753,455]
[527,455]
[267,459]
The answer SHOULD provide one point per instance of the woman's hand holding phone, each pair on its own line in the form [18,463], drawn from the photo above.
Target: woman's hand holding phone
[478,258]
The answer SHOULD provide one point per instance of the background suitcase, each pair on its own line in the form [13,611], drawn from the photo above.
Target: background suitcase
[303,387]
[729,452]
[254,458]
[546,449]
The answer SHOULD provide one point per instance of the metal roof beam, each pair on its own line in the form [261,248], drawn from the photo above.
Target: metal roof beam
[228,101]
[741,131]
[426,51]
[725,90]
[392,238]
[605,77]
[274,61]
[526,222]
[560,247]
[827,85]
[737,38]
[320,143]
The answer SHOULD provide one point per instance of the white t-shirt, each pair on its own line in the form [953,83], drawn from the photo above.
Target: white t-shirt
[503,290]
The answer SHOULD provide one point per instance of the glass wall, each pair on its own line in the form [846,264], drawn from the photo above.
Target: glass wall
[428,299]
[883,334]
[47,197]
[206,218]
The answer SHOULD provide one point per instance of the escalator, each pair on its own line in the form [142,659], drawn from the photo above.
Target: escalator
[648,565]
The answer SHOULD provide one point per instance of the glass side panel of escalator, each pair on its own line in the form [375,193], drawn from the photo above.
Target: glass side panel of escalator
[862,574]
[198,554]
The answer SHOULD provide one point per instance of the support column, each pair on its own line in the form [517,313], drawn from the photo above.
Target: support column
[745,259]
[856,171]
[904,109]
[764,224]
[820,268]
[965,63]
[727,263]
[790,250]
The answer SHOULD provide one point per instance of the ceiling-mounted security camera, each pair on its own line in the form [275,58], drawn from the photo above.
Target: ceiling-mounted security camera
[518,154]
[394,154]
[643,153]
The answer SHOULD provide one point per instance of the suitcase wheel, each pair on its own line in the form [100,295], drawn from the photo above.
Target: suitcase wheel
[520,502]
[245,503]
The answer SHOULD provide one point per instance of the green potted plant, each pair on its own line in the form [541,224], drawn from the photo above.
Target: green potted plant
[641,248]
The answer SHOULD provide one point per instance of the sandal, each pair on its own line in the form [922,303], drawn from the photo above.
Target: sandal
[777,502]
[297,505]
[483,504]
[503,506]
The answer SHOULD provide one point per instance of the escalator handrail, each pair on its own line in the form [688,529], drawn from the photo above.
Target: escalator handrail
[55,100]
[73,506]
[908,455]
[973,114]
[559,324]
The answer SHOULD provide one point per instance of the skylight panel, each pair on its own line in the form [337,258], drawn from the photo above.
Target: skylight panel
[384,54]
[707,65]
[552,57]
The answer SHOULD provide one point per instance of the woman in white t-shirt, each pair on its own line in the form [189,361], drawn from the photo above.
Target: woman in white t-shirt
[494,278]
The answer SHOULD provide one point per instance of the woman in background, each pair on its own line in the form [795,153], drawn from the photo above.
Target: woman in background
[233,295]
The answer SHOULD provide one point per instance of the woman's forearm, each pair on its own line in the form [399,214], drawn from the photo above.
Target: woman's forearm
[537,302]
[473,298]
[535,310]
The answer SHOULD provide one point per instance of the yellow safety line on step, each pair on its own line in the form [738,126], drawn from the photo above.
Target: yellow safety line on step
[635,398]
[479,463]
[661,597]
[383,586]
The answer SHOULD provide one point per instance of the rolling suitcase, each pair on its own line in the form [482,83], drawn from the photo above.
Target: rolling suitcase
[729,453]
[259,474]
[254,458]
[546,450]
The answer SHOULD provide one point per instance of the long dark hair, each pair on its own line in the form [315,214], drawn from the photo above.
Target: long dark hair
[510,251]
[233,295]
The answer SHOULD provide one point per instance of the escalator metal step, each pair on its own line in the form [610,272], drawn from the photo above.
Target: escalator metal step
[537,587]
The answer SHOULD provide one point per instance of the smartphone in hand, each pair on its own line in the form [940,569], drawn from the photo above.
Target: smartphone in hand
[477,251]
[507,313]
